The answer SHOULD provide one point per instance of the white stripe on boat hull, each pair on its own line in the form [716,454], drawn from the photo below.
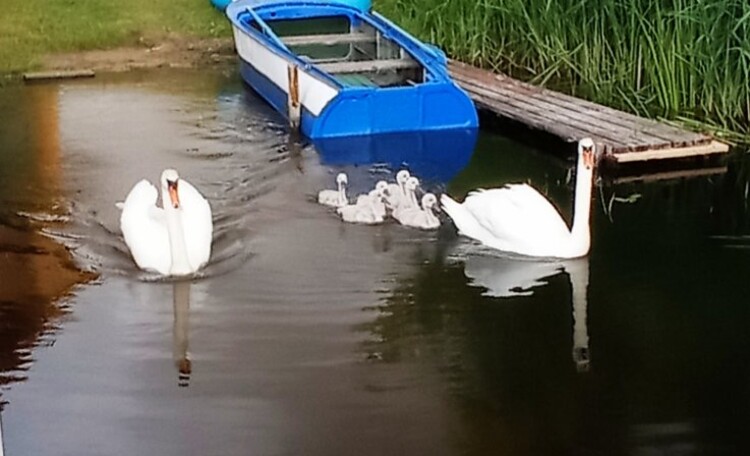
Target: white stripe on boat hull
[314,93]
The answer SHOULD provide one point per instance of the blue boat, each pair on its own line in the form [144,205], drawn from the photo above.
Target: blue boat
[338,69]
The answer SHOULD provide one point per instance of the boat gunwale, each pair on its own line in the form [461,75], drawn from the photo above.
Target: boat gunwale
[427,58]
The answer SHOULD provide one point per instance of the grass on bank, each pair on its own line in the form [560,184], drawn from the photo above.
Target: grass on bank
[686,60]
[29,29]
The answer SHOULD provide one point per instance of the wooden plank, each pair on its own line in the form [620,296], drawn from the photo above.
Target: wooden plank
[648,133]
[643,134]
[67,74]
[559,124]
[363,66]
[327,39]
[598,113]
[462,70]
[714,147]
[559,120]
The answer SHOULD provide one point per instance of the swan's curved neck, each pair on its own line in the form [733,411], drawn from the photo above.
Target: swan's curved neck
[177,246]
[342,193]
[431,217]
[410,198]
[580,231]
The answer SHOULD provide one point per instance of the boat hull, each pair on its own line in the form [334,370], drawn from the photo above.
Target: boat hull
[330,108]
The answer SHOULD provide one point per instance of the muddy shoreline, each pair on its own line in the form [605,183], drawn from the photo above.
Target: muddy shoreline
[171,52]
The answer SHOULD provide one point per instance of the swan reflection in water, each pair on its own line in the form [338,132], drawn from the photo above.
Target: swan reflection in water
[181,300]
[505,277]
[2,445]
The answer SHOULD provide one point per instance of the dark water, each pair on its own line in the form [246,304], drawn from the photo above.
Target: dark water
[309,336]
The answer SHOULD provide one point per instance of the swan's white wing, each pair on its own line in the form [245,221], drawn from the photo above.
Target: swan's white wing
[144,229]
[197,224]
[537,208]
[465,221]
[519,218]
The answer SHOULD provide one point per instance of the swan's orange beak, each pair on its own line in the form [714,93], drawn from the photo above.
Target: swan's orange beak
[172,187]
[588,157]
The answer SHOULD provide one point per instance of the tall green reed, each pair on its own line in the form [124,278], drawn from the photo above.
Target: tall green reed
[686,60]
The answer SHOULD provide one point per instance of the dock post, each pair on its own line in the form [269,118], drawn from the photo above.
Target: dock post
[294,106]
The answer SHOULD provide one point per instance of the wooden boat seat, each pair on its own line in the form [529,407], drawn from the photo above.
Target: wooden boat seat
[355,80]
[364,66]
[327,39]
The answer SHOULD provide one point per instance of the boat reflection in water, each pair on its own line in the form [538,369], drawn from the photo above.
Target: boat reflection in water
[506,277]
[434,157]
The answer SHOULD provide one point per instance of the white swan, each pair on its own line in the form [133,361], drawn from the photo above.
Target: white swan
[376,197]
[174,239]
[396,192]
[518,219]
[506,277]
[364,213]
[409,198]
[369,209]
[180,329]
[335,198]
[422,218]
[578,271]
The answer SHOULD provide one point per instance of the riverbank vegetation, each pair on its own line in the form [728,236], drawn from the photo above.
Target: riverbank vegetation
[30,29]
[686,60]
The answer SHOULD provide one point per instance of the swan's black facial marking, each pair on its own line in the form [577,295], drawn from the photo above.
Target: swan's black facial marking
[173,196]
[588,156]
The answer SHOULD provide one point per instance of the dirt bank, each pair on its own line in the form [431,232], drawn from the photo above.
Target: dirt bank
[171,52]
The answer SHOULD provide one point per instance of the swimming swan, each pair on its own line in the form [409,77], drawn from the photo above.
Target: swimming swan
[335,198]
[174,239]
[396,192]
[420,218]
[376,197]
[518,219]
[369,209]
[409,199]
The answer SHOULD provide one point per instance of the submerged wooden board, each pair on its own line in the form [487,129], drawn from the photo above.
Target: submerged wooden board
[621,136]
[670,175]
[69,74]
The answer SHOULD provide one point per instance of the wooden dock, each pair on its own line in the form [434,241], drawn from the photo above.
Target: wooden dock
[621,136]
